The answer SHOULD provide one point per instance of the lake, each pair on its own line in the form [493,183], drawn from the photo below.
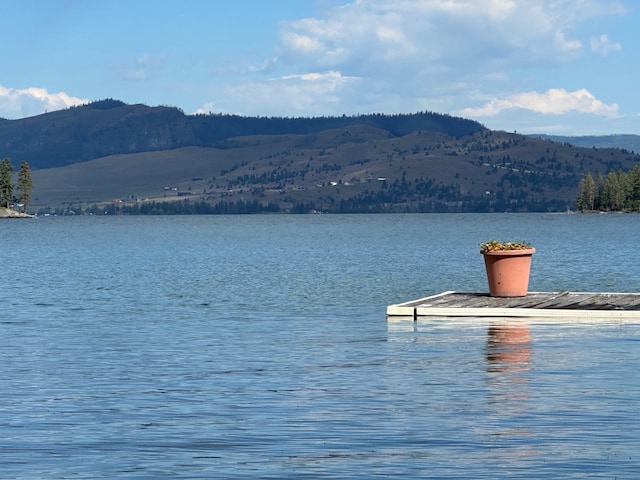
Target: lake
[258,347]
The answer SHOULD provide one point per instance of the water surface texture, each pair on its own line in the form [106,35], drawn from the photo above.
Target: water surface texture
[258,347]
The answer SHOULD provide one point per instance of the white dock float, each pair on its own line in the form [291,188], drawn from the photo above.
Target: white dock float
[534,304]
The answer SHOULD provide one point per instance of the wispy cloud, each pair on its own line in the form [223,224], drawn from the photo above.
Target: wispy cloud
[143,67]
[603,46]
[19,103]
[430,54]
[361,56]
[294,94]
[448,33]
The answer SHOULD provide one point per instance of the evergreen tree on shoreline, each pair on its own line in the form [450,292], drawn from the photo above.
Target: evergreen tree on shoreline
[618,191]
[6,183]
[25,185]
[586,193]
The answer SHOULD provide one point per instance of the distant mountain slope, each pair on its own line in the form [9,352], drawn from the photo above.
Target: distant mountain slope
[118,158]
[353,169]
[626,142]
[110,127]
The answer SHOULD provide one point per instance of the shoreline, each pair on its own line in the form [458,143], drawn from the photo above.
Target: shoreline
[9,213]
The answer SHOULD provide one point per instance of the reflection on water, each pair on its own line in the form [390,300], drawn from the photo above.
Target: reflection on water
[508,360]
[508,363]
[508,350]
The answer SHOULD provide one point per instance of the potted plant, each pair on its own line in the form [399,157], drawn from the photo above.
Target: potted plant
[508,265]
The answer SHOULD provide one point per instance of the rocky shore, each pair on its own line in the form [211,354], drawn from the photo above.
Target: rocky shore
[9,213]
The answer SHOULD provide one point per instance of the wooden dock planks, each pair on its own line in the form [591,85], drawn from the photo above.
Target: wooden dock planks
[535,304]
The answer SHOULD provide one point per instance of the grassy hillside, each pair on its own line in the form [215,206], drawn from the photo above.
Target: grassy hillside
[359,168]
[109,156]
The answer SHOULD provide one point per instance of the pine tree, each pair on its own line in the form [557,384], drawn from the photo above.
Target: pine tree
[586,193]
[6,184]
[600,200]
[25,185]
[616,191]
[635,188]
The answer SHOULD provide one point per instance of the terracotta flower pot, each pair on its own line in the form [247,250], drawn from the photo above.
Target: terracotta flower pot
[508,272]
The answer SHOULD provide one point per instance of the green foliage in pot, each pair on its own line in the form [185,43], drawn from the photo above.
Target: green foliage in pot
[496,246]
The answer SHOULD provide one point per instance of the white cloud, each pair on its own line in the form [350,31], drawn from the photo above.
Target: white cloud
[554,101]
[460,36]
[603,46]
[295,94]
[432,54]
[408,55]
[20,103]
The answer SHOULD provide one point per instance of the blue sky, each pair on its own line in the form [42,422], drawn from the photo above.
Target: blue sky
[567,67]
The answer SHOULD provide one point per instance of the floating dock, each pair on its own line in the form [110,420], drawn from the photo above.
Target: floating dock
[534,304]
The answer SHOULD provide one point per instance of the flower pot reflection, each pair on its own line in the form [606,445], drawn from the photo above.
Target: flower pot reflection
[508,361]
[508,348]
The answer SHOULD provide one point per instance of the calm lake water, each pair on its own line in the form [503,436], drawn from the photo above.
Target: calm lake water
[258,347]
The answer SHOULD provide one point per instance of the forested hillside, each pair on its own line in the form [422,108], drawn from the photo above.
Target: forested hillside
[108,157]
[111,127]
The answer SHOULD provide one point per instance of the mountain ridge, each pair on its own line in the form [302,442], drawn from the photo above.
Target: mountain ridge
[623,141]
[112,157]
[109,127]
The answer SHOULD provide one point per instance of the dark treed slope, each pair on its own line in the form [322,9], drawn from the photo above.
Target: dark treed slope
[110,127]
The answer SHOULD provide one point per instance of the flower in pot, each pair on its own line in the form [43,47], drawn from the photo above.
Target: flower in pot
[508,265]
